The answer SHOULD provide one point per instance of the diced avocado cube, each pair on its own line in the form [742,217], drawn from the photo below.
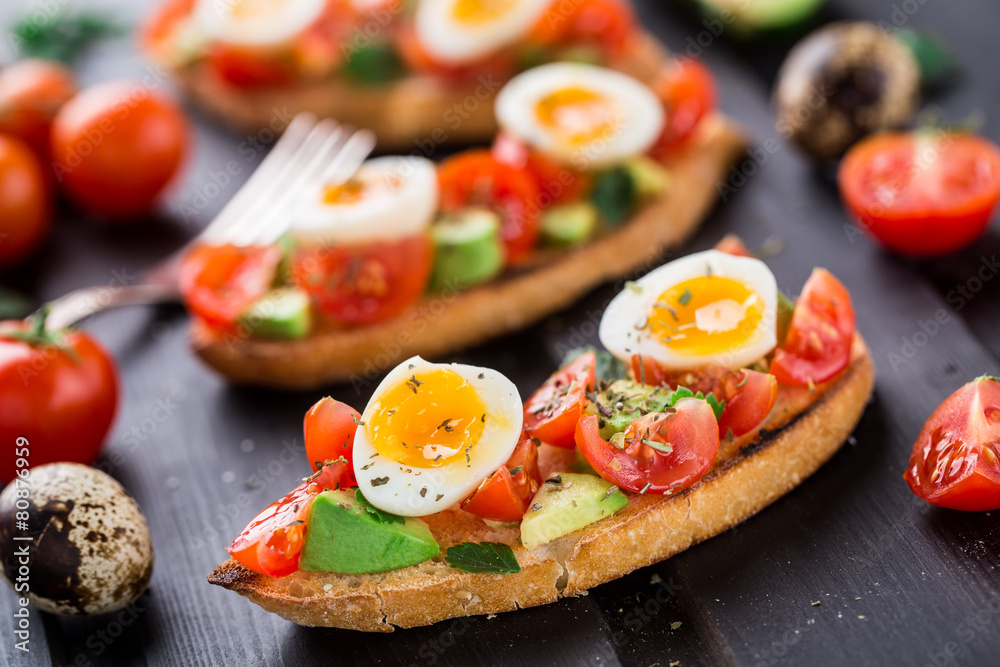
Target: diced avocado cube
[468,249]
[344,537]
[650,178]
[569,224]
[284,313]
[567,502]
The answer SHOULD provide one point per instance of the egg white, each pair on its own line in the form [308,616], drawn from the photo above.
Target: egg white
[640,122]
[407,211]
[450,41]
[622,333]
[219,20]
[449,483]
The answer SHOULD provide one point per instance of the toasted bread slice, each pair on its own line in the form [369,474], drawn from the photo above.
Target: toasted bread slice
[441,324]
[803,431]
[414,113]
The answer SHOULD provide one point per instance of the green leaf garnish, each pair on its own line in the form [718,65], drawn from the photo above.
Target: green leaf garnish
[484,557]
[383,517]
[61,36]
[614,195]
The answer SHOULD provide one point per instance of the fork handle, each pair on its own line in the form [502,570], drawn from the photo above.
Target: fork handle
[78,304]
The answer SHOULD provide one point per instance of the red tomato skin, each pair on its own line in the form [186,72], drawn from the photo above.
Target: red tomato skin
[692,432]
[920,226]
[250,68]
[956,458]
[218,283]
[557,183]
[505,497]
[62,400]
[25,202]
[557,425]
[687,89]
[328,430]
[367,283]
[116,146]
[477,178]
[606,24]
[731,244]
[818,345]
[31,92]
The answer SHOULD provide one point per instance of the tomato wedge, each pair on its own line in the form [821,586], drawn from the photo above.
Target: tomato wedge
[687,89]
[818,345]
[557,183]
[749,395]
[505,495]
[476,178]
[554,409]
[328,429]
[219,283]
[919,193]
[956,458]
[663,453]
[272,542]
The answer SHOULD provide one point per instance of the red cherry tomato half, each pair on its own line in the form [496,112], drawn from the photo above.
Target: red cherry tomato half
[687,89]
[605,24]
[476,178]
[554,409]
[329,429]
[363,284]
[956,458]
[58,391]
[922,194]
[557,183]
[272,542]
[663,453]
[505,495]
[219,283]
[116,146]
[748,395]
[818,345]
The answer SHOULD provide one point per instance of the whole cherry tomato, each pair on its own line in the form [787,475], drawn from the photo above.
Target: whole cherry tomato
[25,208]
[31,92]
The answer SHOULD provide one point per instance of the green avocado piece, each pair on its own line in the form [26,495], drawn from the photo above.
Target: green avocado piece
[468,249]
[569,224]
[284,313]
[760,15]
[650,178]
[786,308]
[568,502]
[346,538]
[614,194]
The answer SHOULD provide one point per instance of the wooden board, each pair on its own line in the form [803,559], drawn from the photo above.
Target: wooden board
[899,582]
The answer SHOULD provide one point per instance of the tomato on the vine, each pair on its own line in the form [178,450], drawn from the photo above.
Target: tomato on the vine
[554,409]
[505,495]
[956,459]
[58,390]
[662,453]
[818,344]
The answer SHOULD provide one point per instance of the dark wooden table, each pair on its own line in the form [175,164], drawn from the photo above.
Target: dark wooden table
[898,582]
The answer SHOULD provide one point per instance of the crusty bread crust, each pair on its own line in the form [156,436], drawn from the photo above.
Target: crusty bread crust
[410,114]
[441,324]
[650,529]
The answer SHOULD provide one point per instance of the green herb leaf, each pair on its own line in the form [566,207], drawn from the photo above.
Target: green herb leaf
[685,298]
[609,367]
[374,63]
[614,195]
[62,36]
[485,557]
[937,64]
[383,517]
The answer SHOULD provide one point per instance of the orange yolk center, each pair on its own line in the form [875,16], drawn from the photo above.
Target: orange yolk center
[705,315]
[577,116]
[359,189]
[430,420]
[481,12]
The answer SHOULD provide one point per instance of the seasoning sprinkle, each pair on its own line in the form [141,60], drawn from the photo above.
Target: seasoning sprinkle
[379,481]
[685,298]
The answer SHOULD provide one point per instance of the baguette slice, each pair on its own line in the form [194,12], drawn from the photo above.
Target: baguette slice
[444,323]
[803,431]
[415,113]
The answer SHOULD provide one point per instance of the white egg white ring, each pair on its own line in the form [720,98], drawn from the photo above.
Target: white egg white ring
[453,42]
[451,483]
[406,212]
[640,125]
[216,18]
[622,329]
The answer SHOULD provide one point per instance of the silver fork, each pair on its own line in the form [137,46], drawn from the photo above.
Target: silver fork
[309,155]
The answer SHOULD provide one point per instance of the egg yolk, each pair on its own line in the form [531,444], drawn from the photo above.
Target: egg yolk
[480,12]
[431,420]
[357,189]
[705,315]
[577,116]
